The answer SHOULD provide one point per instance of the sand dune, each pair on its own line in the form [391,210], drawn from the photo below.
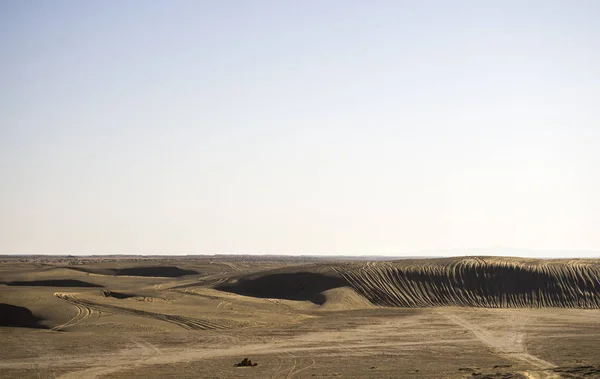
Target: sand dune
[429,318]
[477,282]
[344,298]
[288,285]
[182,321]
[52,283]
[150,271]
[470,282]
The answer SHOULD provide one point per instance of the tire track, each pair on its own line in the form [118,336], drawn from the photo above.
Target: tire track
[147,349]
[83,312]
[289,375]
[508,345]
[139,355]
[278,369]
[181,321]
[292,373]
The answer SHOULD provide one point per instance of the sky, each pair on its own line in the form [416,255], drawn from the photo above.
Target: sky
[299,127]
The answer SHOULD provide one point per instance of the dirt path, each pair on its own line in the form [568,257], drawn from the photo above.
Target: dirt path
[506,340]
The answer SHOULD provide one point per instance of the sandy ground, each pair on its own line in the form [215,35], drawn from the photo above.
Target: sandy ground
[182,327]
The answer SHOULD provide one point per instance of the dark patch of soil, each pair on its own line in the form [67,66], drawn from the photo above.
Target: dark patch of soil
[291,286]
[53,283]
[246,363]
[149,271]
[14,316]
[116,295]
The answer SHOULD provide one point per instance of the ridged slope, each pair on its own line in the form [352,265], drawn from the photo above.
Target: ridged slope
[475,282]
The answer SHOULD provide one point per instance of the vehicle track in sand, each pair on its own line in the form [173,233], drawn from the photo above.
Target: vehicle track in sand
[295,370]
[181,321]
[142,352]
[290,371]
[507,344]
[83,312]
[147,349]
[93,367]
[278,369]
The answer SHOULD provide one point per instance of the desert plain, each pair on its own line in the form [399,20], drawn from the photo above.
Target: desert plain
[197,317]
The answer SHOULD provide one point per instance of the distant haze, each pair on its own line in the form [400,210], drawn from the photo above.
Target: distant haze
[299,127]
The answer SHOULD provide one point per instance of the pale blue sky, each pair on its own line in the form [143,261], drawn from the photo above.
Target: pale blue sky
[308,127]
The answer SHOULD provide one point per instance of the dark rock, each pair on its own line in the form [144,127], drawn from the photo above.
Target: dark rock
[246,363]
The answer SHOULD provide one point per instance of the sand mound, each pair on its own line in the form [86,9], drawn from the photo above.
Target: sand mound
[344,298]
[286,285]
[149,271]
[477,282]
[53,283]
[14,316]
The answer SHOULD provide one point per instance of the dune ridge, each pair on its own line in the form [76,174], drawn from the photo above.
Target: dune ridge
[146,271]
[490,282]
[477,282]
[52,283]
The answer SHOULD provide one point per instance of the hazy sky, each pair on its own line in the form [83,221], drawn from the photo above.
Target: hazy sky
[313,127]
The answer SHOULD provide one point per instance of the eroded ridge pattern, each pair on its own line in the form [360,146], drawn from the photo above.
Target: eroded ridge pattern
[477,282]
